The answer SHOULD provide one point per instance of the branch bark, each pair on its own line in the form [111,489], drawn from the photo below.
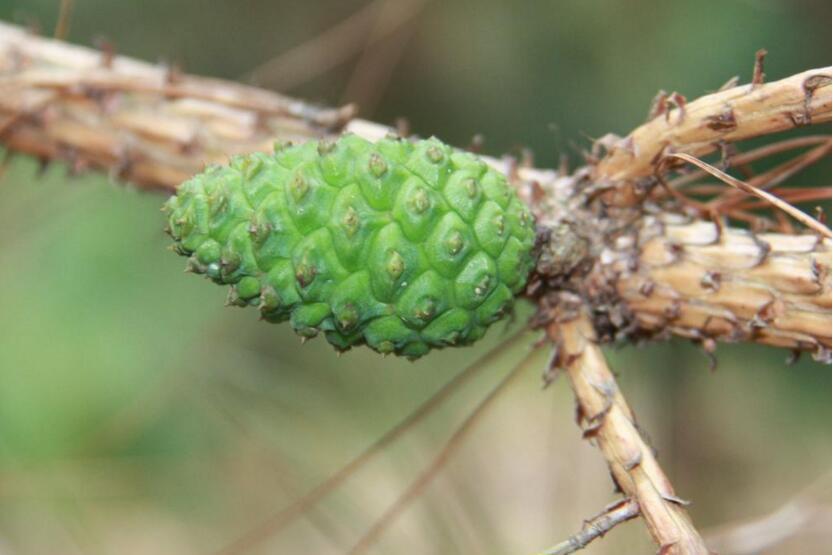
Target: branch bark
[149,125]
[609,421]
[731,115]
[154,127]
[596,527]
[697,280]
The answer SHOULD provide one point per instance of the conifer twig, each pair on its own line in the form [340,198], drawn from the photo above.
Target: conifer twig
[730,115]
[609,421]
[596,527]
[155,128]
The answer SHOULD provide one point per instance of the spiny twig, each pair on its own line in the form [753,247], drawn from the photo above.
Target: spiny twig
[698,280]
[609,421]
[596,527]
[730,115]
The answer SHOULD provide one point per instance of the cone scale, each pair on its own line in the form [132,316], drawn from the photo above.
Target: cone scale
[402,246]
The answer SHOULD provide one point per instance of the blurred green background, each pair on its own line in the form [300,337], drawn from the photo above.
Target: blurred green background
[138,415]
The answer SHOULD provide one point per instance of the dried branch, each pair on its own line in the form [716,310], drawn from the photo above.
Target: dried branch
[596,527]
[609,421]
[731,115]
[154,127]
[147,124]
[697,280]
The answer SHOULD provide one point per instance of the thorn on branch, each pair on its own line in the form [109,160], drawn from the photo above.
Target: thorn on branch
[173,75]
[709,346]
[657,104]
[711,281]
[730,84]
[476,143]
[675,100]
[758,74]
[552,369]
[108,51]
[403,127]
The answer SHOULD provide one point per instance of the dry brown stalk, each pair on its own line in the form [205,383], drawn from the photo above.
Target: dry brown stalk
[147,124]
[609,421]
[596,527]
[744,158]
[749,189]
[697,280]
[731,115]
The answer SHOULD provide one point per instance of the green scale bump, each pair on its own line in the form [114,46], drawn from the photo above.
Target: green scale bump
[401,246]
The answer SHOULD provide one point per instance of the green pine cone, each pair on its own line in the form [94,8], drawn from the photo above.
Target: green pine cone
[401,246]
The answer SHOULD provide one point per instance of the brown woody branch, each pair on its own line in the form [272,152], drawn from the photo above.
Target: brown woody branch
[596,527]
[701,126]
[698,280]
[155,127]
[609,421]
[148,124]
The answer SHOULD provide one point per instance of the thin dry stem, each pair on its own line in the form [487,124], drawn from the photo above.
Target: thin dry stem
[780,173]
[785,207]
[610,422]
[381,53]
[740,160]
[731,115]
[596,527]
[64,18]
[808,513]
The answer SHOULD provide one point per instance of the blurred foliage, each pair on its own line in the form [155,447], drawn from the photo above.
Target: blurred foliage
[138,415]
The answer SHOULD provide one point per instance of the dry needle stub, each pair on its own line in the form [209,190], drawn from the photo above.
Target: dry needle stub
[402,246]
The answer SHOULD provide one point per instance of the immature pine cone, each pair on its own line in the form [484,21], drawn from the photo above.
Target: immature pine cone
[402,246]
